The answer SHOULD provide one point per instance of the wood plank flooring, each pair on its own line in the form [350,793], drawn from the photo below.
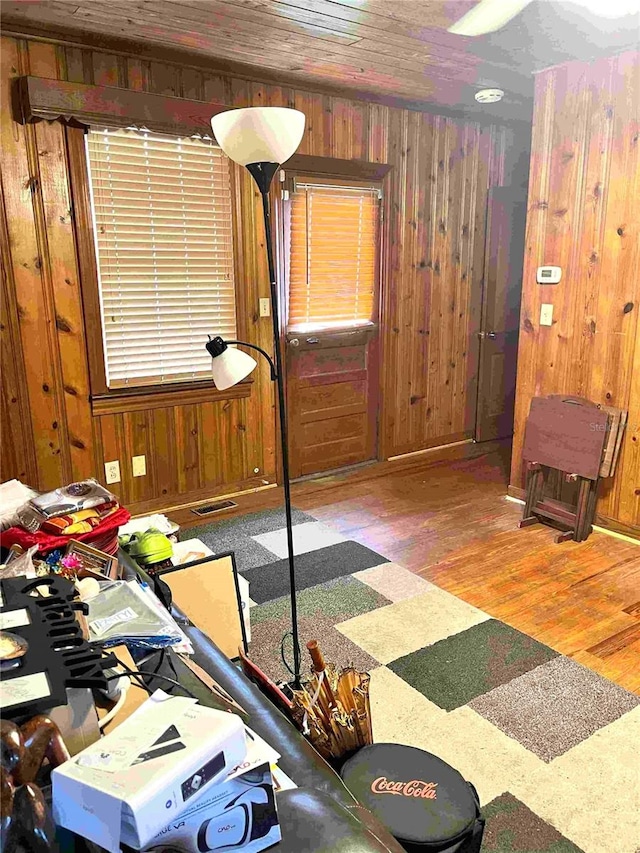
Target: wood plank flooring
[451,524]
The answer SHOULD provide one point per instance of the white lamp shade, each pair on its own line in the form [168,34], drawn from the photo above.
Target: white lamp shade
[259,134]
[230,367]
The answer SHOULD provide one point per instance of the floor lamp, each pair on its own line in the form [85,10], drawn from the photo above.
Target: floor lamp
[261,139]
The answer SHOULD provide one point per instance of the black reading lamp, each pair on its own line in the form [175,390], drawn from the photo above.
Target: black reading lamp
[262,138]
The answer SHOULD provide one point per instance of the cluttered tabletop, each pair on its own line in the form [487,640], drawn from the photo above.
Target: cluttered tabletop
[99,746]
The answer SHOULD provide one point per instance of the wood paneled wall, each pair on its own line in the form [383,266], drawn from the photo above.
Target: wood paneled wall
[435,223]
[584,215]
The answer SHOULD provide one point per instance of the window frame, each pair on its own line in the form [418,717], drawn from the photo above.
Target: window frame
[105,399]
[304,167]
[319,180]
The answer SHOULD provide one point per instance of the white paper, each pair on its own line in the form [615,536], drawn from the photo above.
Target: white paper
[189,550]
[281,782]
[125,744]
[24,688]
[14,619]
[139,525]
[265,750]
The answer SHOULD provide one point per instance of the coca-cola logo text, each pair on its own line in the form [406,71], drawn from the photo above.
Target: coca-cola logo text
[415,788]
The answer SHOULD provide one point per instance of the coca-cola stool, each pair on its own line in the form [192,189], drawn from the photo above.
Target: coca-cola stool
[422,800]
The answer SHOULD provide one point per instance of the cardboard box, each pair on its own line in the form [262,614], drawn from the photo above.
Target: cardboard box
[238,813]
[125,787]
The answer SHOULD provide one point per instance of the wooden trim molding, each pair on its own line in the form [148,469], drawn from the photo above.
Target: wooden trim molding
[516,113]
[618,527]
[86,254]
[334,167]
[37,98]
[164,396]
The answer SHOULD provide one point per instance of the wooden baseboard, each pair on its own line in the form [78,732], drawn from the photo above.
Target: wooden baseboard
[611,525]
[268,496]
[230,491]
[410,461]
[417,454]
[515,492]
[618,527]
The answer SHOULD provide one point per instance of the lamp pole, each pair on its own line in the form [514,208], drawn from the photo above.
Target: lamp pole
[261,138]
[263,174]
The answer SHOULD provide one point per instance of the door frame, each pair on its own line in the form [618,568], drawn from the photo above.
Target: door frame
[519,242]
[327,168]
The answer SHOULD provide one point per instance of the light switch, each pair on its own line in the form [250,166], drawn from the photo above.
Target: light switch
[265,307]
[546,314]
[138,466]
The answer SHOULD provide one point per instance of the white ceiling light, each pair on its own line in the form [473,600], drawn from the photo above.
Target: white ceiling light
[489,96]
[487,17]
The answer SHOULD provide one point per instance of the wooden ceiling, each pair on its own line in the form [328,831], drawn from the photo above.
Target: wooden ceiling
[397,48]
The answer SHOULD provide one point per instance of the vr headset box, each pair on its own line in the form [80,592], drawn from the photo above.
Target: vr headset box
[238,813]
[125,787]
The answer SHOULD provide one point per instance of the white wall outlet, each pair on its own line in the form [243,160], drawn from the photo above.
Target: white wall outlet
[546,314]
[265,308]
[138,466]
[112,472]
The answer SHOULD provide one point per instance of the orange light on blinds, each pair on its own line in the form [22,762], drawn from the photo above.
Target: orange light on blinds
[164,241]
[332,273]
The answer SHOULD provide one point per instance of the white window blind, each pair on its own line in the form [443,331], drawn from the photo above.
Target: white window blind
[332,274]
[163,223]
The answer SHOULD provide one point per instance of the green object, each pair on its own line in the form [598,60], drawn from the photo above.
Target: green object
[513,828]
[147,548]
[455,670]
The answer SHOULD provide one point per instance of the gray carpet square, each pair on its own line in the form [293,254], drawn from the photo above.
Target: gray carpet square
[345,558]
[554,707]
[320,608]
[235,534]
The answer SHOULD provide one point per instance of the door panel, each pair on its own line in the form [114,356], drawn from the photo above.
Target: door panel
[500,313]
[331,455]
[333,429]
[326,357]
[331,398]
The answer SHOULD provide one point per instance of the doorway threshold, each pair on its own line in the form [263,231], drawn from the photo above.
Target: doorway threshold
[334,472]
[436,449]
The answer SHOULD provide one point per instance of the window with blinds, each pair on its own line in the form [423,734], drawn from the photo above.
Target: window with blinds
[332,273]
[164,242]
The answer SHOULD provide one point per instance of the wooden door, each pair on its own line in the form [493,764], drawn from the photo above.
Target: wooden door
[506,218]
[332,239]
[332,399]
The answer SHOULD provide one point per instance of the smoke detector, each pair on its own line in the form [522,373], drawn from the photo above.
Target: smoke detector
[489,96]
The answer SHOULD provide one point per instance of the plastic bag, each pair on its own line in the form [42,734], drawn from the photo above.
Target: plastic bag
[13,495]
[123,612]
[20,565]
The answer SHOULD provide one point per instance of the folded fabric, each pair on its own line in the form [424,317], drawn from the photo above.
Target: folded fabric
[83,521]
[103,537]
[72,498]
